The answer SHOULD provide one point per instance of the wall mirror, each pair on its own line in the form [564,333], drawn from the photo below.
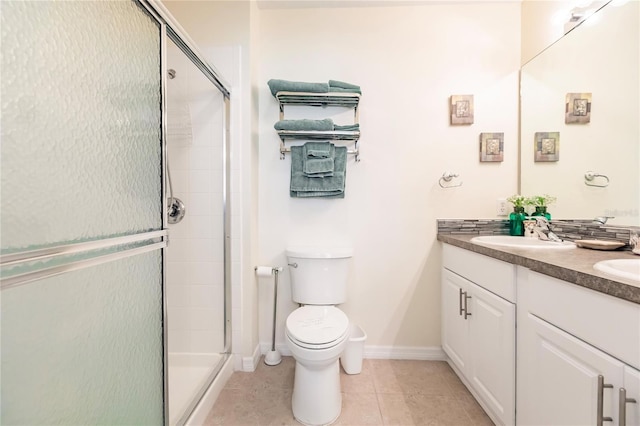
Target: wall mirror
[580,110]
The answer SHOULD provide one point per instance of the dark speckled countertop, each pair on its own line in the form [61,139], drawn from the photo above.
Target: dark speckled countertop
[574,266]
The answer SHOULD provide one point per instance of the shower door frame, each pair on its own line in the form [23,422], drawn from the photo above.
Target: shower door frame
[170,28]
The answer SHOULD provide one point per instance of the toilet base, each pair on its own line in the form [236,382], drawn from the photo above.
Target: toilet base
[316,396]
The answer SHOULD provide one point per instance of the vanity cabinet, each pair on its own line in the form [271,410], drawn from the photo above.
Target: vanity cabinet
[478,327]
[578,352]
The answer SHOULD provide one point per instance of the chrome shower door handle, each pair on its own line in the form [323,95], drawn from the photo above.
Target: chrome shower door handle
[622,406]
[600,407]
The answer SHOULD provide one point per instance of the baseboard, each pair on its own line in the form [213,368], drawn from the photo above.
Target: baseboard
[423,353]
[249,363]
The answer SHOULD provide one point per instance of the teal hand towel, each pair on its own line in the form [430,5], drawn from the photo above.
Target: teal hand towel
[302,186]
[318,159]
[304,124]
[341,86]
[343,90]
[276,86]
[347,127]
[318,150]
[318,167]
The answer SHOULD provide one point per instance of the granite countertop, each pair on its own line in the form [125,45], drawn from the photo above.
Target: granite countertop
[574,266]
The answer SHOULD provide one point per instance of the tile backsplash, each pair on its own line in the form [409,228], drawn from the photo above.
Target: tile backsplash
[569,229]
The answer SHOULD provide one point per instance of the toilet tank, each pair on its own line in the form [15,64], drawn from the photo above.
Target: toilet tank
[320,275]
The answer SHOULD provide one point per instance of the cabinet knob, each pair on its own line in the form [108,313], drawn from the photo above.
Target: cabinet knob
[600,407]
[622,406]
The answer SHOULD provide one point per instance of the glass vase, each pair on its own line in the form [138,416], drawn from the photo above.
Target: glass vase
[517,216]
[542,211]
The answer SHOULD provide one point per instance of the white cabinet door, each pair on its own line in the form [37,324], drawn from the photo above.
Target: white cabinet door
[493,344]
[455,329]
[558,377]
[632,387]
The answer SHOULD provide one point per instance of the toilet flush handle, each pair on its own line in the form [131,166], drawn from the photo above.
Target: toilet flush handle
[293,265]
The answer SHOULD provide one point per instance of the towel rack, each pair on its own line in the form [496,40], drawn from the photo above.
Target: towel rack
[336,99]
[448,177]
[590,176]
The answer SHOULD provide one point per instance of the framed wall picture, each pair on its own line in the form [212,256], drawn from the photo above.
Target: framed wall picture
[461,109]
[491,147]
[547,146]
[577,109]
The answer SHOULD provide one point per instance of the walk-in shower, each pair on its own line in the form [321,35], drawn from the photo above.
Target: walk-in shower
[195,281]
[110,314]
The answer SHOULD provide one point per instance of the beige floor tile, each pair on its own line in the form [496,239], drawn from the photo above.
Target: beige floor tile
[359,409]
[394,409]
[252,407]
[474,410]
[430,410]
[265,377]
[357,383]
[389,392]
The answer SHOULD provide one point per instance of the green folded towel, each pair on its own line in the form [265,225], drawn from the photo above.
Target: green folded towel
[304,124]
[318,167]
[329,187]
[347,127]
[343,90]
[319,150]
[276,86]
[317,159]
[341,86]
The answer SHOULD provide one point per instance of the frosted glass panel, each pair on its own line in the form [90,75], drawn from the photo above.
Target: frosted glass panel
[81,122]
[85,347]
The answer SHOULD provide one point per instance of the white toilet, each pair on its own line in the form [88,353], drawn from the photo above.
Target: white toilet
[317,333]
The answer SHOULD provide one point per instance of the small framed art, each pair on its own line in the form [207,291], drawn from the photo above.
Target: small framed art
[547,146]
[461,109]
[577,109]
[491,147]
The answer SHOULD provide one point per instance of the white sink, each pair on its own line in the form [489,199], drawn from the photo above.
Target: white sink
[620,268]
[521,242]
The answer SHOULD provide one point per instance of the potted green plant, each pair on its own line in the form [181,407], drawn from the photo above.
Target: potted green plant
[517,216]
[540,203]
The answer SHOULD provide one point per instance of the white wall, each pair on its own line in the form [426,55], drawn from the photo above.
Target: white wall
[408,61]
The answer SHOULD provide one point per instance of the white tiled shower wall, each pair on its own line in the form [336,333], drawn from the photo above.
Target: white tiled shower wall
[195,262]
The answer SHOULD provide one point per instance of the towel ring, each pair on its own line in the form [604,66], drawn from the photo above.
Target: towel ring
[448,177]
[590,176]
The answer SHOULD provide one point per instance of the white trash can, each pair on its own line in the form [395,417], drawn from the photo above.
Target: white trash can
[351,359]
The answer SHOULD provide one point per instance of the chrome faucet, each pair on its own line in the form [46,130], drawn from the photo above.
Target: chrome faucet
[542,224]
[602,219]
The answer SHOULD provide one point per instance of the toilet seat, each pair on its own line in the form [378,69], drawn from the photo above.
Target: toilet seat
[317,327]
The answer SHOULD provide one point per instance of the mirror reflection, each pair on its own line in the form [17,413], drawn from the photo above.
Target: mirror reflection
[580,119]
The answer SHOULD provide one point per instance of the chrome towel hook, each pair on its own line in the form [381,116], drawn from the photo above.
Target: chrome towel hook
[590,176]
[448,177]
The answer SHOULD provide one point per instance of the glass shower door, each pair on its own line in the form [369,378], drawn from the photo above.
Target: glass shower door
[81,214]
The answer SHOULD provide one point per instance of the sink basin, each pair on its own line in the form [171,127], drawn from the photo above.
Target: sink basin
[620,268]
[521,242]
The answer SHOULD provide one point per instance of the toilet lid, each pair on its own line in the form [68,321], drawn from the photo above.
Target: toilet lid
[317,325]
